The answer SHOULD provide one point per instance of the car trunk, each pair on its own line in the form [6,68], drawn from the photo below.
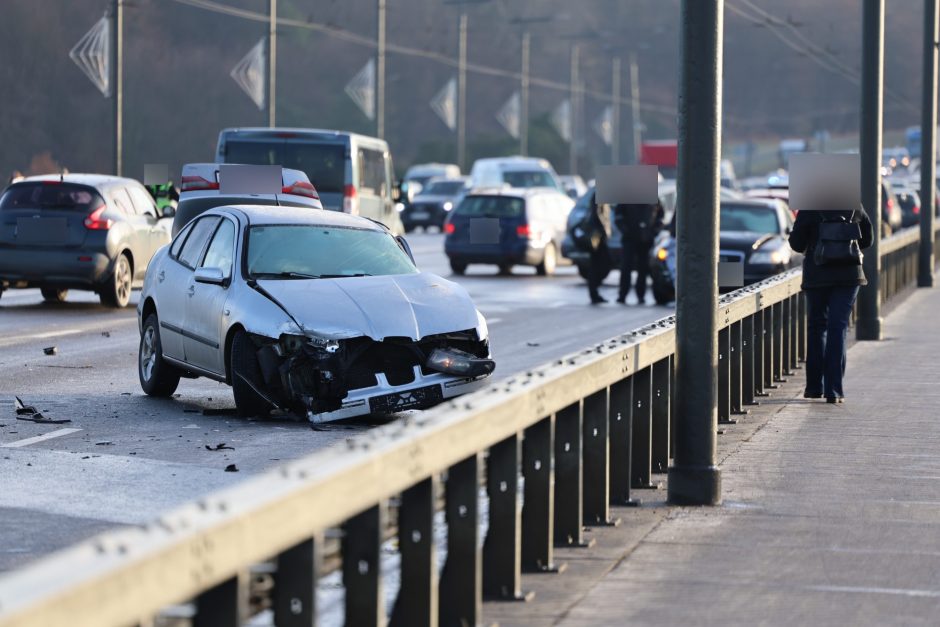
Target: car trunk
[489,222]
[46,214]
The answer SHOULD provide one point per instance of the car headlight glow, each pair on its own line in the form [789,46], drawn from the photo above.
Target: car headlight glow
[778,256]
[448,205]
[662,254]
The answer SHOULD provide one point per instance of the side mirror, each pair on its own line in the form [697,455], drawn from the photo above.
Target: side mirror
[404,246]
[212,276]
[168,212]
[396,192]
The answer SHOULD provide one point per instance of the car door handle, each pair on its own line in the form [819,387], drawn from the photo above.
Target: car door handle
[161,276]
[192,290]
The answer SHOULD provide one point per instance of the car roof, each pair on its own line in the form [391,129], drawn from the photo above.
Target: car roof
[766,203]
[311,133]
[514,192]
[267,214]
[92,180]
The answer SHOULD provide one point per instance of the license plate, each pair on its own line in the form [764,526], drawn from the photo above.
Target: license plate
[420,215]
[42,230]
[400,401]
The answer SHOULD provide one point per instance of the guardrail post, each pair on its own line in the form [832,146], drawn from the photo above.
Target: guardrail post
[223,605]
[801,342]
[642,437]
[417,601]
[928,146]
[794,333]
[621,441]
[724,378]
[502,549]
[461,586]
[672,406]
[362,576]
[778,342]
[662,413]
[769,350]
[737,359]
[569,476]
[748,361]
[787,340]
[760,343]
[597,459]
[538,507]
[295,585]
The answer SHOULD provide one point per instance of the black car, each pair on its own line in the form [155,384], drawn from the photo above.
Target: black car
[910,206]
[79,231]
[753,232]
[433,203]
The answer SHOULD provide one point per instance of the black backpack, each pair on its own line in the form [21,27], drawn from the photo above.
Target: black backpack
[837,243]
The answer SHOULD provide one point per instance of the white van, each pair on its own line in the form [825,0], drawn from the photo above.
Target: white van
[514,172]
[351,172]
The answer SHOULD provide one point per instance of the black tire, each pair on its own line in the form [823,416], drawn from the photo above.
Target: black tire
[458,267]
[244,367]
[117,291]
[409,228]
[549,261]
[505,269]
[54,295]
[662,296]
[157,377]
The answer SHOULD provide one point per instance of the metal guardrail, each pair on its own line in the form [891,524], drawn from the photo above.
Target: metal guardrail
[555,447]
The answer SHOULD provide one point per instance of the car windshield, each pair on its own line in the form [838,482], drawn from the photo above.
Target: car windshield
[749,218]
[443,188]
[491,207]
[323,163]
[50,195]
[301,251]
[528,178]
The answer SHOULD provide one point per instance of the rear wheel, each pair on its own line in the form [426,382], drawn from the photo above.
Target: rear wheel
[458,267]
[505,268]
[244,368]
[662,295]
[157,377]
[54,295]
[549,261]
[117,292]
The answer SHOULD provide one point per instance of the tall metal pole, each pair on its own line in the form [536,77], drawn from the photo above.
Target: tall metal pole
[868,323]
[524,97]
[117,62]
[694,479]
[635,106]
[380,78]
[573,110]
[272,63]
[928,147]
[462,95]
[615,112]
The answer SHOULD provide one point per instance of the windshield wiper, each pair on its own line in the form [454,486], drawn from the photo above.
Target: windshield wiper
[343,276]
[283,275]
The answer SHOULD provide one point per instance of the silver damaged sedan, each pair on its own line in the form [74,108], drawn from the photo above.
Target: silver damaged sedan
[316,313]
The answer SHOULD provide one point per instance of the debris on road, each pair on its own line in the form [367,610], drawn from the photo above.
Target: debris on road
[220,447]
[31,414]
[104,443]
[105,334]
[51,350]
[231,468]
[191,426]
[222,411]
[22,408]
[84,367]
[532,344]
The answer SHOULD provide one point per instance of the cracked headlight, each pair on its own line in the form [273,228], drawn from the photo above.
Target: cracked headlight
[483,331]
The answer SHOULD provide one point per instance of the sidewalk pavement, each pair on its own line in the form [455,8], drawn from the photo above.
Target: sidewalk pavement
[831,513]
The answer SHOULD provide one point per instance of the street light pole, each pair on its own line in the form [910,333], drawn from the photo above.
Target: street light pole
[615,112]
[573,111]
[695,479]
[928,147]
[868,323]
[462,95]
[380,78]
[524,97]
[117,63]
[635,106]
[272,62]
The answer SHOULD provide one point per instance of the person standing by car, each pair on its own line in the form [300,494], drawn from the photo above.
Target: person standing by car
[832,274]
[638,226]
[591,237]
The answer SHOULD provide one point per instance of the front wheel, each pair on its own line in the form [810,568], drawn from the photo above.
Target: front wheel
[549,261]
[662,295]
[458,267]
[117,292]
[54,295]
[157,377]
[246,374]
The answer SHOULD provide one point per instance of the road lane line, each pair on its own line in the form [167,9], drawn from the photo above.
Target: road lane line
[39,438]
[39,336]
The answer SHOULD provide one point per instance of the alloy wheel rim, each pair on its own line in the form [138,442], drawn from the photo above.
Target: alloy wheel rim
[122,280]
[148,355]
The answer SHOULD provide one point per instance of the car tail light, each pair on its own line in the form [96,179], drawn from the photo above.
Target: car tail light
[301,188]
[523,230]
[94,221]
[890,204]
[193,183]
[350,202]
[916,210]
[449,228]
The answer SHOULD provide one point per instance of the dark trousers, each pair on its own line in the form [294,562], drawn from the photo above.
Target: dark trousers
[828,310]
[635,257]
[598,266]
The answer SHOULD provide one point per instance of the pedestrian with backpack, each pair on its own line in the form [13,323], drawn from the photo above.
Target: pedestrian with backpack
[832,243]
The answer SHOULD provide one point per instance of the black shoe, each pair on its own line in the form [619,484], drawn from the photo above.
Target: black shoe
[597,299]
[835,399]
[808,394]
[622,300]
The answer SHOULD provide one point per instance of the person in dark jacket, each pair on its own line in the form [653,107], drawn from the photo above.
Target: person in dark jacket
[638,226]
[830,294]
[591,236]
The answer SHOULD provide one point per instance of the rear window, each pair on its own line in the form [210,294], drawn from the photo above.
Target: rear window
[527,178]
[324,164]
[749,218]
[444,188]
[492,207]
[50,195]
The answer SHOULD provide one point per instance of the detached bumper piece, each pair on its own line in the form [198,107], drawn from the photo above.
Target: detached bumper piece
[459,363]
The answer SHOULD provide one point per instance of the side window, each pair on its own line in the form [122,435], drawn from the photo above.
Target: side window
[372,172]
[192,248]
[178,242]
[122,201]
[143,203]
[221,251]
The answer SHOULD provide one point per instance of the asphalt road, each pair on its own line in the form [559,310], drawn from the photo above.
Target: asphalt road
[124,457]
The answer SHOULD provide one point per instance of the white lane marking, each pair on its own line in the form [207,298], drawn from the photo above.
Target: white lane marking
[58,433]
[907,592]
[38,336]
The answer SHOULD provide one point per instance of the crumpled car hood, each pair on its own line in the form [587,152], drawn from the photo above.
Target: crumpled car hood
[411,305]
